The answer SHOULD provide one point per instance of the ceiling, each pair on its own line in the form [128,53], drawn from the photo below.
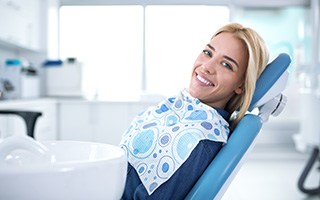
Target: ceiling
[241,3]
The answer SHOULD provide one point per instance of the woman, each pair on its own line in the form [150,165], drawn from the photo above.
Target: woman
[170,145]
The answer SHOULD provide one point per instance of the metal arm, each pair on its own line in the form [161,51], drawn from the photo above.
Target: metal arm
[29,118]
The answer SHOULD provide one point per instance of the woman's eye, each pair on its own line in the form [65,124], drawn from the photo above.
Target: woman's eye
[227,65]
[208,53]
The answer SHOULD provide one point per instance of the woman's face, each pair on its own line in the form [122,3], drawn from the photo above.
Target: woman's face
[218,72]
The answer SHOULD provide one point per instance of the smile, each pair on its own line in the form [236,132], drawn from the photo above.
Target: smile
[204,81]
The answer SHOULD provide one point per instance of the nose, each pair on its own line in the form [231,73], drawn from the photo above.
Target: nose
[209,66]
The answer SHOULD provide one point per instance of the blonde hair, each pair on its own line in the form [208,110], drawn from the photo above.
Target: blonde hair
[258,59]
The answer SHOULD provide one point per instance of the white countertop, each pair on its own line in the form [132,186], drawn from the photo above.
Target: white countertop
[57,100]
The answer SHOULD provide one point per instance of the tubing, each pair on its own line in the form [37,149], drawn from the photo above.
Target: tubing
[314,191]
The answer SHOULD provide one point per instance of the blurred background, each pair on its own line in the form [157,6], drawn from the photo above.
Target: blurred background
[89,66]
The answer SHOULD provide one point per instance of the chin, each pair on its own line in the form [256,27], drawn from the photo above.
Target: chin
[194,93]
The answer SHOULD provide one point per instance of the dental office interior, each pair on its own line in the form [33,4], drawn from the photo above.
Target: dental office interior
[89,66]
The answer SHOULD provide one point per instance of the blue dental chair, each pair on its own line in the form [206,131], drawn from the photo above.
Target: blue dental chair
[269,101]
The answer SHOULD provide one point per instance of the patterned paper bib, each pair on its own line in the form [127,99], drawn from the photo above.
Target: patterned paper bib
[161,139]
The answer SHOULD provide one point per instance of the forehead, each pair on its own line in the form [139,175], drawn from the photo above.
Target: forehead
[227,44]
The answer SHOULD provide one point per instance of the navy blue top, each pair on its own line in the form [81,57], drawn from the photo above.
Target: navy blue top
[223,113]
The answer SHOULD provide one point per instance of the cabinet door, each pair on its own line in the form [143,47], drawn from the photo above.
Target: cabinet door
[45,127]
[20,23]
[92,121]
[12,25]
[112,121]
[30,10]
[3,127]
[76,121]
[12,125]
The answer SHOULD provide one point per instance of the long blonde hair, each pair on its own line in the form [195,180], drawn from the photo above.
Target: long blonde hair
[258,59]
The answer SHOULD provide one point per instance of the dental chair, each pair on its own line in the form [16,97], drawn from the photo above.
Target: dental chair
[268,100]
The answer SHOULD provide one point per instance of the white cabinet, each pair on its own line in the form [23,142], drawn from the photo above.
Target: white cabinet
[78,120]
[46,125]
[20,24]
[100,122]
[96,121]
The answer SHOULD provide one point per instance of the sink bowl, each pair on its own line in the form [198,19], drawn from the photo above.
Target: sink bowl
[60,170]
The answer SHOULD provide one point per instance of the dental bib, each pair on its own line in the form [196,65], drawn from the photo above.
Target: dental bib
[160,140]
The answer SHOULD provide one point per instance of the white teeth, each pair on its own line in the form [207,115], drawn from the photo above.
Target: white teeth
[204,80]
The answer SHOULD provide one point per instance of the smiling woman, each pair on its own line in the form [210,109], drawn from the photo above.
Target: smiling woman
[177,139]
[218,71]
[125,48]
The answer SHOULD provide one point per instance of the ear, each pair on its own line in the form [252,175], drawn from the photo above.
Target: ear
[239,89]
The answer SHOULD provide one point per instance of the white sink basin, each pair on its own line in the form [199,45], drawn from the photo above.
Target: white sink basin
[60,170]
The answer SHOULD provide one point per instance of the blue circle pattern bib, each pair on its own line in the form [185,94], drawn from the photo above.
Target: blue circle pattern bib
[160,140]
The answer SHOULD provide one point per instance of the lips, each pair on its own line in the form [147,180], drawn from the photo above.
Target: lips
[204,81]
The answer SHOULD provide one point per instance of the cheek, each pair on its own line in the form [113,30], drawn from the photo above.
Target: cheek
[229,81]
[196,65]
[238,85]
[198,62]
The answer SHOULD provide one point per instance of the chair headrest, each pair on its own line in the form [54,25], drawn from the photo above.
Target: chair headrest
[272,81]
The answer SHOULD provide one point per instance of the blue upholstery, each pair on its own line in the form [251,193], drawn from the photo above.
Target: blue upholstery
[218,174]
[269,76]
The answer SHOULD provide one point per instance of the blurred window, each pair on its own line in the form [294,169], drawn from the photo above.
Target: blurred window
[129,49]
[285,29]
[175,35]
[108,41]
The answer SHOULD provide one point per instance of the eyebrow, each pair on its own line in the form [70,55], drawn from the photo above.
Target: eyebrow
[226,57]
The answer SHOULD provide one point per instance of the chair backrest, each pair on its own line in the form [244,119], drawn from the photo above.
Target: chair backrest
[219,174]
[272,81]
